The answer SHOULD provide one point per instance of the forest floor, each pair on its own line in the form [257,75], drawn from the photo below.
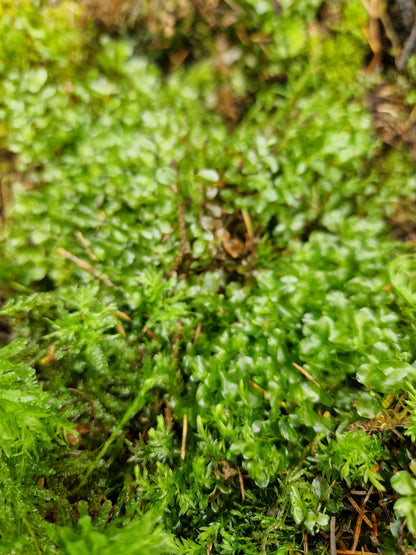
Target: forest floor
[207,277]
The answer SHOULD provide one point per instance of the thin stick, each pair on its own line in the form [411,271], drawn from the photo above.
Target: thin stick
[249,228]
[374,536]
[184,434]
[357,532]
[348,552]
[341,542]
[247,222]
[332,540]
[360,518]
[240,479]
[182,234]
[360,512]
[86,246]
[306,374]
[84,266]
[305,543]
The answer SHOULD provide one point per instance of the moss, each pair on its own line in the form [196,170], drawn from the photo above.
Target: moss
[201,309]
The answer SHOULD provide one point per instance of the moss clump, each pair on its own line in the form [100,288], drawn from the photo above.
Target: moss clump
[207,308]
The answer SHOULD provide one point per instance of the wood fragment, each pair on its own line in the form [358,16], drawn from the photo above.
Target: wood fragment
[249,246]
[332,540]
[184,434]
[357,532]
[306,374]
[247,222]
[241,481]
[374,535]
[84,266]
[168,418]
[367,497]
[349,552]
[4,197]
[182,234]
[305,543]
[85,246]
[361,516]
[341,543]
[360,512]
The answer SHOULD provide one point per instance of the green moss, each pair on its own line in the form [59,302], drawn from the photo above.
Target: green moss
[164,273]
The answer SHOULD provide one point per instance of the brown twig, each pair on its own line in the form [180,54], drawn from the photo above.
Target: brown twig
[184,434]
[360,511]
[306,374]
[84,266]
[361,516]
[305,543]
[332,540]
[341,543]
[374,535]
[249,227]
[241,481]
[349,552]
[182,231]
[367,497]
[4,197]
[85,246]
[357,532]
